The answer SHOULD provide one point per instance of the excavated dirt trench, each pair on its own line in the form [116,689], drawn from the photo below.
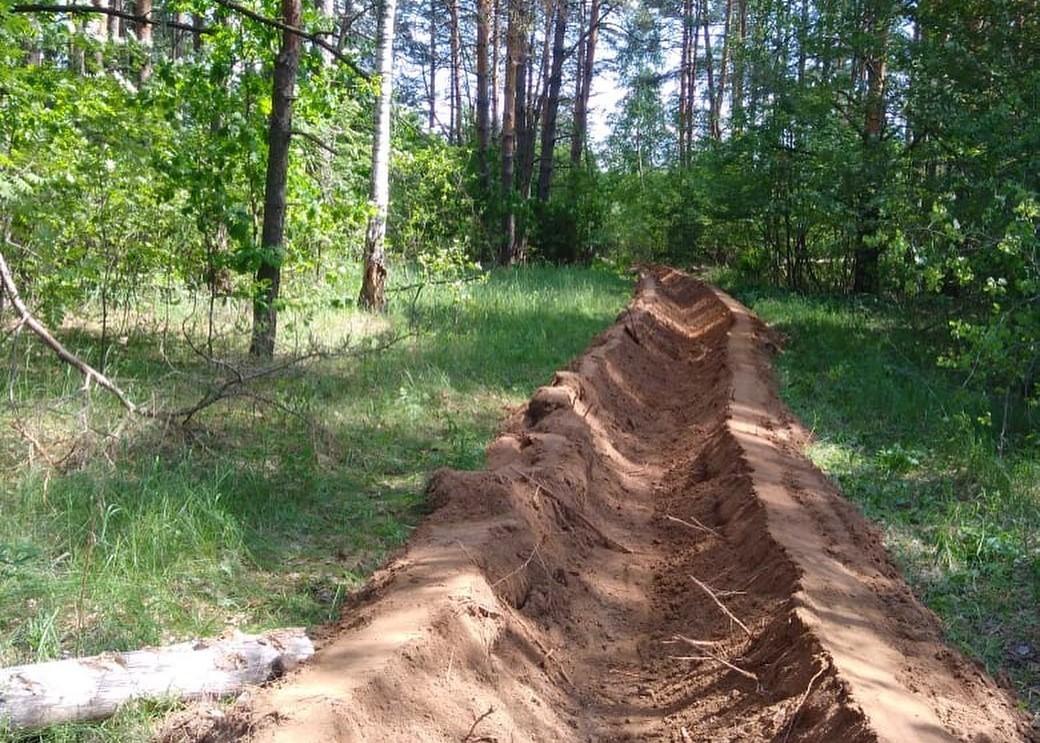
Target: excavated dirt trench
[648,556]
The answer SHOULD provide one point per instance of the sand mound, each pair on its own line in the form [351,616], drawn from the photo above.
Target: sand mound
[648,556]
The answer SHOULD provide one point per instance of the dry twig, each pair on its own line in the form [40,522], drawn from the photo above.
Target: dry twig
[721,605]
[473,727]
[801,702]
[694,525]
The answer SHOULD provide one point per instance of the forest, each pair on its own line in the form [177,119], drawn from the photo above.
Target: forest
[267,265]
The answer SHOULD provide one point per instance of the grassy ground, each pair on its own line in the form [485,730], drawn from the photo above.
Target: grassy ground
[265,515]
[916,450]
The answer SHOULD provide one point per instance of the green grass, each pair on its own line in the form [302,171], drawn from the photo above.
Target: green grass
[915,448]
[260,517]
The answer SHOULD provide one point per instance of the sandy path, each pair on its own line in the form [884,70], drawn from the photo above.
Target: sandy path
[647,557]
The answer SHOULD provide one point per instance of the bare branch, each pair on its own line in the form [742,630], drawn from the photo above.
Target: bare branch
[85,9]
[89,373]
[722,606]
[313,37]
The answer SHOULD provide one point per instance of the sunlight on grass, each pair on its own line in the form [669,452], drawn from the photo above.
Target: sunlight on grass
[262,518]
[913,447]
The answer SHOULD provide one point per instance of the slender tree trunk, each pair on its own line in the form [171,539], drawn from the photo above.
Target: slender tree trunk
[552,103]
[456,72]
[115,32]
[739,69]
[433,64]
[515,37]
[723,71]
[483,103]
[144,37]
[269,273]
[496,43]
[709,65]
[868,249]
[97,29]
[527,129]
[691,84]
[581,102]
[684,64]
[373,288]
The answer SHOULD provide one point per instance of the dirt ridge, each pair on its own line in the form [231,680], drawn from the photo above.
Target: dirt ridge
[648,556]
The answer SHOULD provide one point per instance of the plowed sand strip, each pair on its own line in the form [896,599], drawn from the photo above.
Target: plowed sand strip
[647,557]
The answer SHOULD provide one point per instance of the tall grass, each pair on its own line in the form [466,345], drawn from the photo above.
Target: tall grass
[262,517]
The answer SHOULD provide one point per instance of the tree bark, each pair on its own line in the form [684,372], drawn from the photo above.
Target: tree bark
[496,43]
[866,278]
[269,273]
[433,65]
[144,38]
[456,72]
[373,287]
[709,65]
[483,101]
[739,69]
[82,689]
[115,26]
[716,123]
[581,100]
[514,58]
[552,104]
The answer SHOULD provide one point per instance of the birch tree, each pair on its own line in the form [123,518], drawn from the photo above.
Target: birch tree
[373,287]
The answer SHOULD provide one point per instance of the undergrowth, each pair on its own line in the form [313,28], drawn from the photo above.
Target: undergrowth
[262,515]
[916,447]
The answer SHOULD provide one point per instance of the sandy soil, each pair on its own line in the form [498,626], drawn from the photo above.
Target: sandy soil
[648,556]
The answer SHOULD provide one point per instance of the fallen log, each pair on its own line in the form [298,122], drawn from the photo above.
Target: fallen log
[81,689]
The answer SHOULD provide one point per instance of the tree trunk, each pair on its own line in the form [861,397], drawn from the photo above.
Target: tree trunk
[115,31]
[456,72]
[716,124]
[514,58]
[144,37]
[581,100]
[527,115]
[739,69]
[269,273]
[433,65]
[868,250]
[373,287]
[709,65]
[82,689]
[496,43]
[483,102]
[684,64]
[552,103]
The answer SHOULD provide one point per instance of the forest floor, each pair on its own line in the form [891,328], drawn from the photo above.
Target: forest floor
[647,556]
[117,534]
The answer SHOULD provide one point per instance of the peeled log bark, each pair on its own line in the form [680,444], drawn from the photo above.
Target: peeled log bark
[80,689]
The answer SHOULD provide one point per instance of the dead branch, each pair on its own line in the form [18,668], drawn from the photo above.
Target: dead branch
[723,661]
[469,734]
[801,702]
[33,442]
[234,384]
[89,373]
[523,566]
[722,606]
[697,525]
